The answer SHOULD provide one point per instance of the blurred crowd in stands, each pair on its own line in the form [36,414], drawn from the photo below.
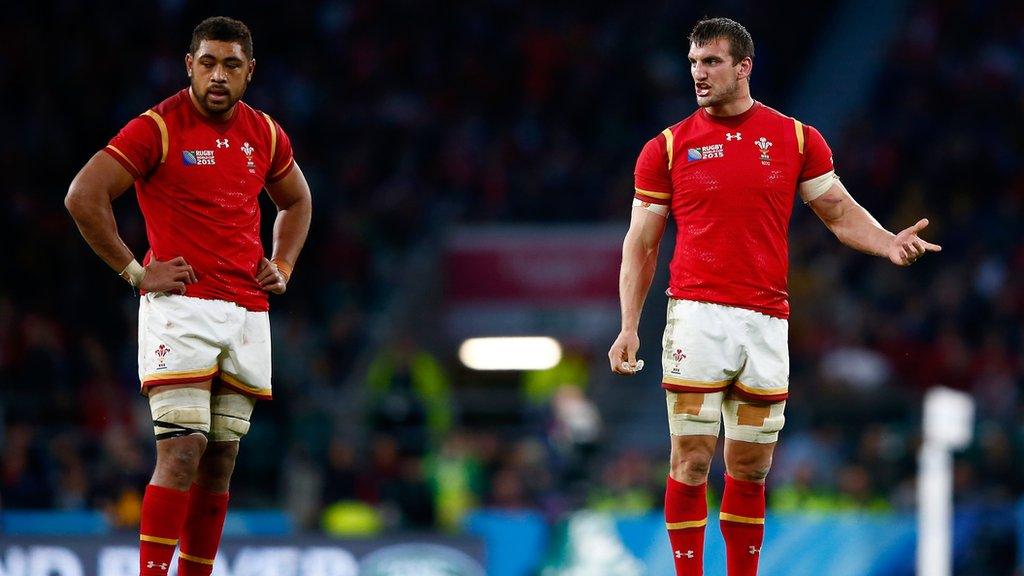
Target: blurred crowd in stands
[402,115]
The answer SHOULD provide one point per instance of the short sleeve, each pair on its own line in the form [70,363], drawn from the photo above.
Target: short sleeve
[817,155]
[652,181]
[817,175]
[137,147]
[283,160]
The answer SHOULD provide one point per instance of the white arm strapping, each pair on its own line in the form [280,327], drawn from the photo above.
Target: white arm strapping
[659,209]
[133,273]
[811,189]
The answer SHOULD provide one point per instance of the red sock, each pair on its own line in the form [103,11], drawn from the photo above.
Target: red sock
[163,513]
[686,514]
[201,536]
[742,521]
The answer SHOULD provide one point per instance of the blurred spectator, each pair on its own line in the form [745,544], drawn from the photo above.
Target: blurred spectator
[409,395]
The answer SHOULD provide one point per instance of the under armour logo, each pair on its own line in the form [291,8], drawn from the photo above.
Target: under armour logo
[680,554]
[753,550]
[729,136]
[222,143]
[151,564]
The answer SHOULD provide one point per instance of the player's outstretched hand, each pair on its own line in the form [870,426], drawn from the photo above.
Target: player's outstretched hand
[167,276]
[270,278]
[907,246]
[622,355]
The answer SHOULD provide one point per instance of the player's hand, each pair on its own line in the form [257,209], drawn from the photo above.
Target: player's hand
[907,246]
[622,355]
[168,276]
[270,278]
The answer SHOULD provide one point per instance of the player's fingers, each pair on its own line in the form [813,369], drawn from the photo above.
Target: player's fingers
[271,277]
[631,359]
[928,246]
[191,275]
[277,287]
[921,225]
[615,358]
[179,287]
[179,261]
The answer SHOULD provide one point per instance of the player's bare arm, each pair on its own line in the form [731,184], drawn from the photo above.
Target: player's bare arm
[89,200]
[639,260]
[857,228]
[294,204]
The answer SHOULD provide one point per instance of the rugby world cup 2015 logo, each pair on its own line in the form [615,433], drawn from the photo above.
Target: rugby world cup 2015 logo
[198,158]
[161,356]
[764,144]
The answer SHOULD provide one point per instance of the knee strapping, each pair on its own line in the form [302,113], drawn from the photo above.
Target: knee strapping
[694,414]
[180,412]
[230,417]
[753,422]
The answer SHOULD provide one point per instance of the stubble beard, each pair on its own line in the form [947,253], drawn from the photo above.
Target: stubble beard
[727,95]
[203,97]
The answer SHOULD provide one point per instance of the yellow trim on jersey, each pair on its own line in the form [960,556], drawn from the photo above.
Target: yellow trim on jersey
[158,540]
[687,524]
[740,519]
[163,375]
[799,135]
[163,133]
[659,195]
[273,136]
[668,145]
[195,559]
[761,391]
[122,155]
[695,383]
[282,170]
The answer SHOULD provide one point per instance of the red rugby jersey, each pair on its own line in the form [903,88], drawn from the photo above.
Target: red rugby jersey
[730,184]
[198,182]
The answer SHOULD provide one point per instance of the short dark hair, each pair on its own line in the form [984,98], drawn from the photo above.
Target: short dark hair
[223,29]
[741,45]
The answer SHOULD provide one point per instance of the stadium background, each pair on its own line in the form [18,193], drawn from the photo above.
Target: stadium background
[441,137]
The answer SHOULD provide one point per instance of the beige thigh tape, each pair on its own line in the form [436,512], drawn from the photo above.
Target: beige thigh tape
[231,414]
[753,422]
[694,413]
[180,411]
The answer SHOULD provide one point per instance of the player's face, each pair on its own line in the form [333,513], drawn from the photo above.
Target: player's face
[715,76]
[220,72]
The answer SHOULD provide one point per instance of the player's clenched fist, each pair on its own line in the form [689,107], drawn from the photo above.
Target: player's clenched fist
[907,246]
[622,356]
[167,276]
[271,278]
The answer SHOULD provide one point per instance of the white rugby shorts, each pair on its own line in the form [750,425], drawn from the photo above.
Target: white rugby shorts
[184,340]
[712,348]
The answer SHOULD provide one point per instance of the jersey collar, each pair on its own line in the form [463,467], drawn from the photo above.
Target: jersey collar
[731,121]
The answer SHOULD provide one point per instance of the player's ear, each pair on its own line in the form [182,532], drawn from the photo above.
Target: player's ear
[252,68]
[188,65]
[746,66]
